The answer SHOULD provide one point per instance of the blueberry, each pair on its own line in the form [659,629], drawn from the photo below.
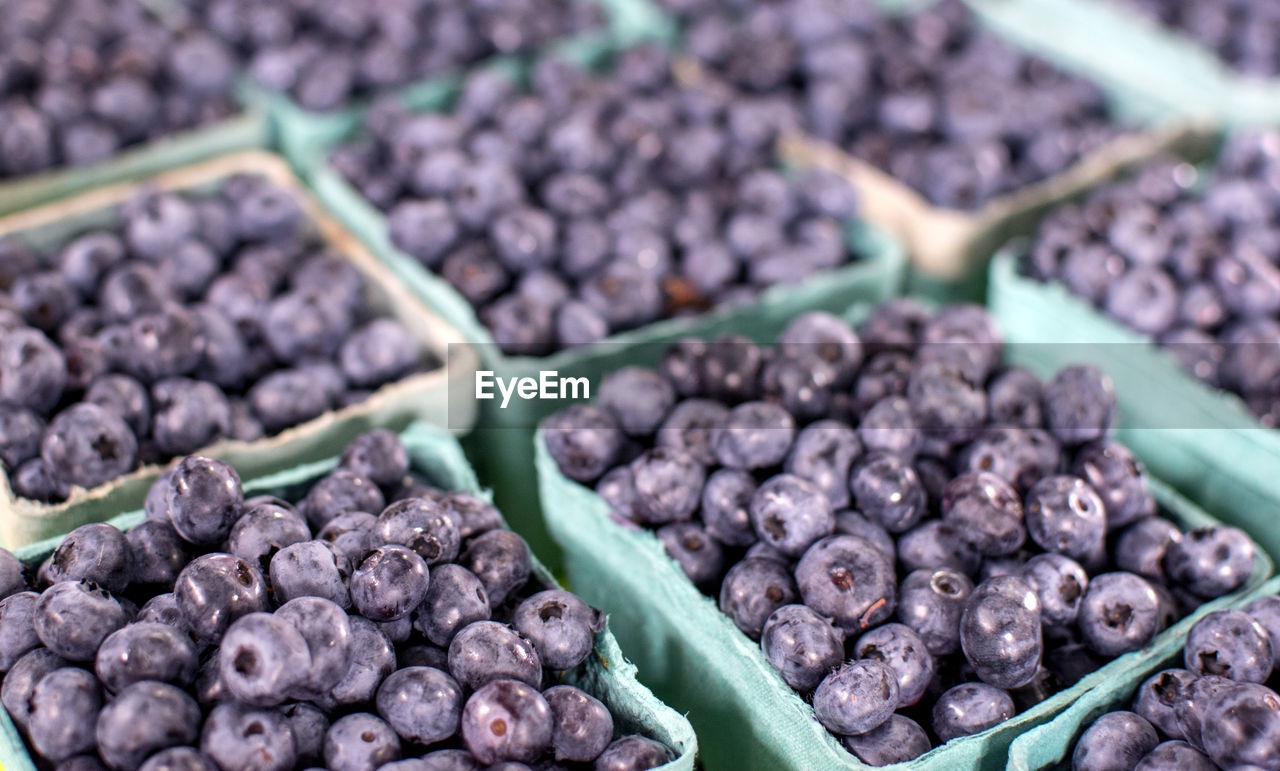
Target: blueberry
[311,569]
[125,397]
[204,499]
[377,353]
[756,435]
[507,720]
[87,446]
[688,427]
[145,651]
[856,697]
[1118,478]
[823,453]
[932,603]
[1059,583]
[1115,740]
[801,645]
[1266,611]
[377,456]
[938,544]
[172,719]
[1191,706]
[389,583]
[366,671]
[888,492]
[1000,632]
[239,736]
[752,590]
[12,578]
[897,740]
[216,589]
[1242,727]
[790,513]
[340,490]
[96,552]
[970,708]
[438,760]
[1080,404]
[21,679]
[62,711]
[308,724]
[1229,643]
[725,506]
[326,631]
[888,427]
[632,753]
[178,759]
[262,531]
[261,658]
[189,414]
[852,523]
[162,609]
[905,652]
[349,533]
[422,526]
[485,651]
[164,344]
[1065,516]
[699,556]
[729,372]
[454,599]
[17,627]
[667,485]
[422,704]
[20,432]
[1014,399]
[1120,612]
[583,440]
[987,509]
[581,727]
[561,627]
[44,299]
[74,617]
[1142,546]
[1159,695]
[1175,755]
[501,560]
[1210,561]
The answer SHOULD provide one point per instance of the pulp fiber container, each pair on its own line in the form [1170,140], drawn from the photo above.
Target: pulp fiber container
[436,455]
[425,395]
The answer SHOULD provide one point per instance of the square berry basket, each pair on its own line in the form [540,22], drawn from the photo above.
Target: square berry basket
[436,455]
[1049,746]
[695,658]
[424,395]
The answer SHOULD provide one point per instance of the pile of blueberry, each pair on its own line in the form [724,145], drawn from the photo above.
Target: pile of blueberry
[939,103]
[279,636]
[1216,713]
[1244,33]
[326,54]
[81,79]
[825,486]
[197,317]
[590,204]
[1190,262]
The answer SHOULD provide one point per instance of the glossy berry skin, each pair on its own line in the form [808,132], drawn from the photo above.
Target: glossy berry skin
[157,553]
[422,526]
[1115,740]
[422,704]
[143,719]
[857,697]
[95,552]
[204,499]
[261,658]
[936,544]
[87,445]
[1192,706]
[1059,583]
[581,725]
[326,630]
[932,603]
[366,672]
[145,651]
[62,712]
[896,740]
[360,741]
[853,523]
[1120,613]
[454,599]
[905,653]
[1175,755]
[970,708]
[848,579]
[507,720]
[311,569]
[341,490]
[1242,727]
[215,589]
[1118,478]
[801,645]
[668,485]
[501,560]
[583,440]
[755,435]
[1142,546]
[632,753]
[752,590]
[561,627]
[1000,632]
[21,679]
[1266,611]
[1229,643]
[986,508]
[74,617]
[790,513]
[1159,695]
[486,650]
[1210,561]
[888,492]
[17,627]
[823,453]
[389,583]
[1065,516]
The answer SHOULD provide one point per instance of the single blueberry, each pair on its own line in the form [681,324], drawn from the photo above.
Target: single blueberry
[62,712]
[146,651]
[74,617]
[1142,546]
[1120,612]
[389,583]
[931,602]
[1080,404]
[970,708]
[905,652]
[240,736]
[756,435]
[1229,643]
[752,590]
[366,671]
[378,456]
[1065,516]
[581,725]
[95,552]
[86,445]
[938,544]
[311,569]
[726,503]
[1000,632]
[632,753]
[262,658]
[561,627]
[1210,561]
[1159,695]
[17,627]
[1241,727]
[988,510]
[501,560]
[172,720]
[216,589]
[484,651]
[801,645]
[422,704]
[340,490]
[1115,740]
[507,720]
[326,630]
[1118,478]
[857,697]
[421,525]
[1059,583]
[454,599]
[887,491]
[262,531]
[583,440]
[1175,754]
[204,499]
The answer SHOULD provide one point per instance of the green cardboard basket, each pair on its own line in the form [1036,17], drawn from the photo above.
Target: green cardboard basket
[694,657]
[1051,745]
[437,456]
[430,396]
[1204,441]
[300,131]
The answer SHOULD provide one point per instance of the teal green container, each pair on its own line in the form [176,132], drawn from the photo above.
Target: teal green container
[1050,746]
[694,657]
[301,132]
[1200,439]
[436,455]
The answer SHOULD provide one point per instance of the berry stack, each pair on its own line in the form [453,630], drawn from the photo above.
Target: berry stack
[590,205]
[195,316]
[225,633]
[1189,262]
[923,540]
